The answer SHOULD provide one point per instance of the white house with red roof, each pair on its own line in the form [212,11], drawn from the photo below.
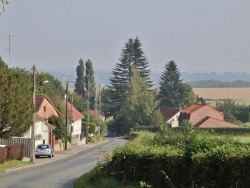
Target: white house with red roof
[75,125]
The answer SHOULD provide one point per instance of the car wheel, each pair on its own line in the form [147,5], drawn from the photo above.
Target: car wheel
[50,155]
[53,155]
[36,156]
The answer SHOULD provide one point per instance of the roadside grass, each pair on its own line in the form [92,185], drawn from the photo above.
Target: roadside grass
[12,164]
[86,182]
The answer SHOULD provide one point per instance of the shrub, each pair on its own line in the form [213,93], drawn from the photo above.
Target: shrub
[15,152]
[3,154]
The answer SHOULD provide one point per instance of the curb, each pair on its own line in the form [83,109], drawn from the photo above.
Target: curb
[64,156]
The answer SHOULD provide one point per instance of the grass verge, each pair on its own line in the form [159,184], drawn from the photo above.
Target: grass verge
[12,164]
[86,182]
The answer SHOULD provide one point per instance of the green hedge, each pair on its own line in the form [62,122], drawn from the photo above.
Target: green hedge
[201,160]
[146,128]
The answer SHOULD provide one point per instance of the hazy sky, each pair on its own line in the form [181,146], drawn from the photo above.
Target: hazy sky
[199,35]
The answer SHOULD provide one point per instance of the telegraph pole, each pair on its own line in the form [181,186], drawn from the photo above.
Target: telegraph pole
[32,148]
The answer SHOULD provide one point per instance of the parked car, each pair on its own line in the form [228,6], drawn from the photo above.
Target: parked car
[44,150]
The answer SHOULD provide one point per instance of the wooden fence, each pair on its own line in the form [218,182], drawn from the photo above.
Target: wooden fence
[24,141]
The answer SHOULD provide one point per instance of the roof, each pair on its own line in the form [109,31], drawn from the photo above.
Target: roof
[76,115]
[168,112]
[94,113]
[195,107]
[209,122]
[39,118]
[51,127]
[40,99]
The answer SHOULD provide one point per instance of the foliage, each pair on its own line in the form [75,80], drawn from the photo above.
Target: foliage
[157,118]
[15,152]
[96,138]
[174,93]
[16,107]
[92,127]
[79,102]
[60,129]
[3,154]
[234,112]
[4,2]
[132,54]
[107,103]
[80,79]
[90,83]
[139,103]
[52,88]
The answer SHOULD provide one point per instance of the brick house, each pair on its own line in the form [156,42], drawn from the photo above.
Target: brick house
[205,116]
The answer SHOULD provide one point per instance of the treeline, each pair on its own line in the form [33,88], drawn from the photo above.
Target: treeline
[218,84]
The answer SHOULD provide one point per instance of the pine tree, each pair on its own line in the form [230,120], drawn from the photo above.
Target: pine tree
[169,86]
[174,93]
[80,79]
[90,82]
[132,54]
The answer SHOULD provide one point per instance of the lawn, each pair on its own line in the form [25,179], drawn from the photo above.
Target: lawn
[12,164]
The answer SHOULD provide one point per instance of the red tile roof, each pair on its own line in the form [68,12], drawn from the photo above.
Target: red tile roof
[209,122]
[51,127]
[168,112]
[76,115]
[39,118]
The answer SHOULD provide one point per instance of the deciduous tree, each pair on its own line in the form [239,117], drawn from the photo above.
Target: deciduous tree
[16,107]
[139,103]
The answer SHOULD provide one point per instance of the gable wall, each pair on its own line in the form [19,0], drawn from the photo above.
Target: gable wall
[50,111]
[203,112]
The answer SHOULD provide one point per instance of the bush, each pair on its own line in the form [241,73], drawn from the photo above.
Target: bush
[15,152]
[188,158]
[3,154]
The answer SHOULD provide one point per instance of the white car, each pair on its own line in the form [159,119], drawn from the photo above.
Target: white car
[44,150]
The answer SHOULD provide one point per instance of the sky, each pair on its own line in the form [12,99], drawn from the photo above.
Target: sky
[199,35]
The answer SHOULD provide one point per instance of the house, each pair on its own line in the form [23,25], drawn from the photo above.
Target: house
[43,131]
[205,116]
[45,109]
[170,115]
[75,125]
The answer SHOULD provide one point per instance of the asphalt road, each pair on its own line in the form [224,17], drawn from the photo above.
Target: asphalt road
[59,174]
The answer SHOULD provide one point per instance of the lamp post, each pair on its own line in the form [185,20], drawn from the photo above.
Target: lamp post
[66,113]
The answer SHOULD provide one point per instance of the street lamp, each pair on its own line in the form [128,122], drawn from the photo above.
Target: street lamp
[66,113]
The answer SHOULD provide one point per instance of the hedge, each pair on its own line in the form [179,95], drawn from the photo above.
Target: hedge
[3,154]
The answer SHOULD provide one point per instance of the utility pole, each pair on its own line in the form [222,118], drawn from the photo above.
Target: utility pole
[66,116]
[32,148]
[66,113]
[87,129]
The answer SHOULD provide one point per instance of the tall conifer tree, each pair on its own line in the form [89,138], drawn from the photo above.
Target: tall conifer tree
[90,82]
[132,54]
[169,86]
[80,79]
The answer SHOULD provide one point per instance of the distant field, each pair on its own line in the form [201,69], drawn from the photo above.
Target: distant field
[240,95]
